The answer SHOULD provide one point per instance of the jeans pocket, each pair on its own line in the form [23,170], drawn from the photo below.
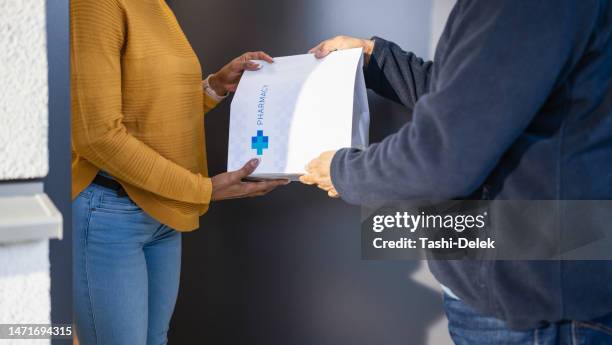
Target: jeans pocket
[115,204]
[84,194]
[120,227]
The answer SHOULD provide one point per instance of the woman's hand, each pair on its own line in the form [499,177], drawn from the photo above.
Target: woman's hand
[343,42]
[227,78]
[229,185]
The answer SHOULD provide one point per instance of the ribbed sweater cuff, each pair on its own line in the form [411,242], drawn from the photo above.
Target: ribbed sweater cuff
[206,190]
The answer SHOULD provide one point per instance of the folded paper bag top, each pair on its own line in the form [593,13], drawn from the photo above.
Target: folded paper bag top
[292,110]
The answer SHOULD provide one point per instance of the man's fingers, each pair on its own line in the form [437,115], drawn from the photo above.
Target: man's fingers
[307,179]
[317,47]
[315,164]
[312,165]
[321,53]
[310,179]
[324,187]
[323,49]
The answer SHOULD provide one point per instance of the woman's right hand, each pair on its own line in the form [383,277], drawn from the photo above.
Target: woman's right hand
[229,185]
[343,42]
[227,78]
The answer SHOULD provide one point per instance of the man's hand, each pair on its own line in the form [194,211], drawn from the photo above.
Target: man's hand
[227,78]
[343,42]
[318,172]
[229,185]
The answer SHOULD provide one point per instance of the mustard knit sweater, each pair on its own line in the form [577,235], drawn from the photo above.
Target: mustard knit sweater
[137,107]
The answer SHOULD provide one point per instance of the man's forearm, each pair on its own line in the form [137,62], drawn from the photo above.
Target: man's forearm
[483,101]
[396,74]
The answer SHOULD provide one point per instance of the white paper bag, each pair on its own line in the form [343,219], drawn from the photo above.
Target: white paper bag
[294,109]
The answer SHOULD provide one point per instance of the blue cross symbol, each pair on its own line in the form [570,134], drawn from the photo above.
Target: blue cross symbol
[259,143]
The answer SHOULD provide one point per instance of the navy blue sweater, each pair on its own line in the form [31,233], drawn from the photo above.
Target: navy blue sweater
[517,103]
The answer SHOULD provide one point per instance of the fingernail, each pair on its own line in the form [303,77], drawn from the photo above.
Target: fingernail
[287,182]
[254,162]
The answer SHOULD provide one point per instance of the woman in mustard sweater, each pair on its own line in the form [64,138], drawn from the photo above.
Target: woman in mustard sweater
[138,164]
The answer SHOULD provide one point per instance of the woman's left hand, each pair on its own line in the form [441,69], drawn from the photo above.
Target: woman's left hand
[227,78]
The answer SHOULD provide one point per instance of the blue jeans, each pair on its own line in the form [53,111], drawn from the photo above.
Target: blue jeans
[468,327]
[126,271]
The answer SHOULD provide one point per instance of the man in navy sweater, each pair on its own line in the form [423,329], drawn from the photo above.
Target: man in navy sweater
[516,105]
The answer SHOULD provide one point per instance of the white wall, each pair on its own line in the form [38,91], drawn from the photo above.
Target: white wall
[24,286]
[24,268]
[439,13]
[24,95]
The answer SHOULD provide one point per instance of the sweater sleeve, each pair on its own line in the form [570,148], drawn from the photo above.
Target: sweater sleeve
[501,65]
[209,103]
[396,74]
[98,132]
